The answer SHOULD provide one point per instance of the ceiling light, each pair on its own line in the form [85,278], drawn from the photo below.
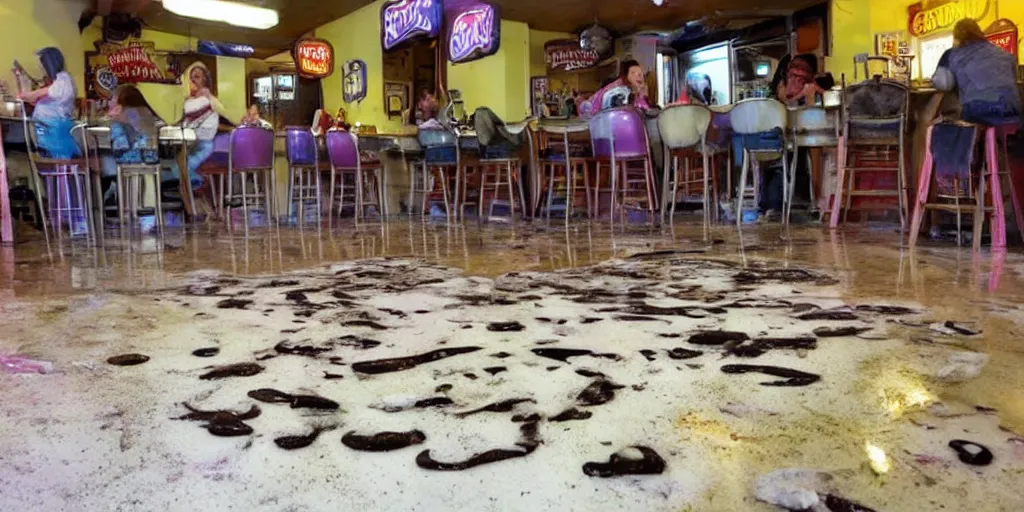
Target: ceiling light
[658,2]
[233,13]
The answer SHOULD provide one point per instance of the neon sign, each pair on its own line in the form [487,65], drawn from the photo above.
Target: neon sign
[474,34]
[314,58]
[921,22]
[404,20]
[566,55]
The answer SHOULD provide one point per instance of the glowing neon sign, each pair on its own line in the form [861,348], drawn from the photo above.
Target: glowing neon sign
[474,34]
[404,20]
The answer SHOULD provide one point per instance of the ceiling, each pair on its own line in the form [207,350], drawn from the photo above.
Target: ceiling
[622,16]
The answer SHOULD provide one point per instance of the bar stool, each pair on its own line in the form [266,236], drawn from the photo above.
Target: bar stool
[874,115]
[810,127]
[215,169]
[564,169]
[348,169]
[68,182]
[683,131]
[303,171]
[619,138]
[441,158]
[132,171]
[760,124]
[984,198]
[500,167]
[251,154]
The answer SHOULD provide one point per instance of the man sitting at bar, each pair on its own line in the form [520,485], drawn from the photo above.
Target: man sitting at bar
[984,75]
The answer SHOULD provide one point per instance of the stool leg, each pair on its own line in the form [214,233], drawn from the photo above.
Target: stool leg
[1018,212]
[511,190]
[245,201]
[705,161]
[901,181]
[833,220]
[741,187]
[923,183]
[664,181]
[979,211]
[785,187]
[551,189]
[230,199]
[998,223]
[586,187]
[959,215]
[120,196]
[484,172]
[427,188]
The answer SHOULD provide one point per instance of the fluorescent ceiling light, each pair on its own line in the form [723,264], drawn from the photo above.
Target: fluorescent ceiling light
[233,13]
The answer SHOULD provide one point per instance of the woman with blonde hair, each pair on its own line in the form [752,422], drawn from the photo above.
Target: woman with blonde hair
[201,112]
[984,76]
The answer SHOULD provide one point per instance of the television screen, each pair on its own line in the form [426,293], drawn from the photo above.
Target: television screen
[286,82]
[762,69]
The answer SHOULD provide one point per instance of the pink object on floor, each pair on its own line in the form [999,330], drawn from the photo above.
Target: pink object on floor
[19,364]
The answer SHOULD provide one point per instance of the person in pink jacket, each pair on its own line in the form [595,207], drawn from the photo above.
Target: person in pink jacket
[631,76]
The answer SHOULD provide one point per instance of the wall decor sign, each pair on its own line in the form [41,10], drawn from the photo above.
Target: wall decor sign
[314,58]
[131,62]
[1003,33]
[396,97]
[475,33]
[353,81]
[566,55]
[218,49]
[402,21]
[921,21]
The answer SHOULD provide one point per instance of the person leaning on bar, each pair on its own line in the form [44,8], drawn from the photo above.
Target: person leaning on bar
[984,76]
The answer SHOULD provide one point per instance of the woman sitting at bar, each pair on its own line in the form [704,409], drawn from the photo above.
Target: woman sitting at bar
[252,118]
[984,75]
[133,125]
[54,107]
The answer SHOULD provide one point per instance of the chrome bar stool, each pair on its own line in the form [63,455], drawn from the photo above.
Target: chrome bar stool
[810,127]
[68,182]
[441,157]
[303,171]
[251,155]
[683,130]
[619,138]
[132,173]
[760,124]
[348,171]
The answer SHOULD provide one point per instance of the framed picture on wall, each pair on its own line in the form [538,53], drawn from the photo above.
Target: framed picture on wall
[396,97]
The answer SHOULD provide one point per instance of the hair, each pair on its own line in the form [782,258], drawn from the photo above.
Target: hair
[625,66]
[967,31]
[206,75]
[137,110]
[52,60]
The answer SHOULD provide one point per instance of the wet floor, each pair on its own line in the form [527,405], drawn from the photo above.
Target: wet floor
[882,394]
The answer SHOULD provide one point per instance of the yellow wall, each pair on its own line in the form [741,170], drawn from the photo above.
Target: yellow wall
[28,25]
[855,23]
[499,81]
[231,81]
[538,64]
[357,36]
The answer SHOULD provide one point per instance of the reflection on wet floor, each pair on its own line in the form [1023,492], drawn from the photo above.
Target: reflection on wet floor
[959,292]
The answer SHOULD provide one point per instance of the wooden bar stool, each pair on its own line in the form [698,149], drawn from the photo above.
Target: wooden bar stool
[619,138]
[761,124]
[982,197]
[563,169]
[303,171]
[683,131]
[874,117]
[432,177]
[251,155]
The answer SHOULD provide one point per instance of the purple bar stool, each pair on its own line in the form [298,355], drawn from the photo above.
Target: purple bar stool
[343,152]
[303,170]
[252,154]
[619,138]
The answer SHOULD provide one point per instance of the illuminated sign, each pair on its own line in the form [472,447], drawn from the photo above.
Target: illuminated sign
[921,21]
[314,58]
[224,49]
[402,21]
[474,34]
[566,55]
[1006,40]
[128,63]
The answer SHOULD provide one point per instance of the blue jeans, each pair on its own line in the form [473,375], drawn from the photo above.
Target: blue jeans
[197,155]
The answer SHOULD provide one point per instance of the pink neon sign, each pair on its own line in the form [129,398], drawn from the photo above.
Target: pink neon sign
[474,34]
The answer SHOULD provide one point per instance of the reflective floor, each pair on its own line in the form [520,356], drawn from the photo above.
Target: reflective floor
[38,282]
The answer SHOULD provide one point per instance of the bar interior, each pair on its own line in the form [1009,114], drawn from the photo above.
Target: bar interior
[776,136]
